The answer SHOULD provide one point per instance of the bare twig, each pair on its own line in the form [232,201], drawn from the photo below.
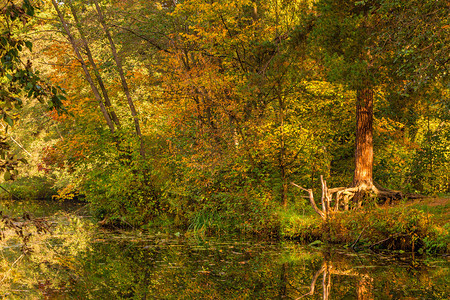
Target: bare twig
[357,240]
[12,195]
[386,239]
[311,200]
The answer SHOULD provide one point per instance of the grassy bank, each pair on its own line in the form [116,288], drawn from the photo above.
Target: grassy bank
[420,226]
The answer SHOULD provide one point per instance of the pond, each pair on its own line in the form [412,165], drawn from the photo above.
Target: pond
[76,260]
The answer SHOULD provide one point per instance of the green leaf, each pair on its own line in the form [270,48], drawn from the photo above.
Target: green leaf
[8,120]
[316,243]
[29,45]
[28,7]
[7,176]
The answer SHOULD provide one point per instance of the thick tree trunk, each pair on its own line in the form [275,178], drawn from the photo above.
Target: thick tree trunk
[363,178]
[364,140]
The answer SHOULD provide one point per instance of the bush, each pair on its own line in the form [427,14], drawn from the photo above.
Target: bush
[399,228]
[227,212]
[29,188]
[122,194]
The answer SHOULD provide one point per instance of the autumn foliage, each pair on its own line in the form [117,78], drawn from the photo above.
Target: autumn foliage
[234,100]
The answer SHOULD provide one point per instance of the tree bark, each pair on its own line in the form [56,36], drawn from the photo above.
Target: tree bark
[108,105]
[122,78]
[364,139]
[282,153]
[85,69]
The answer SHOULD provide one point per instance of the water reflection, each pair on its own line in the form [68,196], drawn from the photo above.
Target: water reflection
[345,275]
[80,262]
[364,285]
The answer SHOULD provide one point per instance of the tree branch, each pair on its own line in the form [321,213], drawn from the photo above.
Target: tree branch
[311,200]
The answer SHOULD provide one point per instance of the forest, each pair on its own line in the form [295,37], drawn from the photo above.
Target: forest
[308,119]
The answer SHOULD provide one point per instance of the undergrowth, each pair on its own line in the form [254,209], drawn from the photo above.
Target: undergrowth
[29,188]
[416,228]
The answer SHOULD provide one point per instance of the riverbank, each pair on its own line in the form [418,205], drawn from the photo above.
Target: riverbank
[420,226]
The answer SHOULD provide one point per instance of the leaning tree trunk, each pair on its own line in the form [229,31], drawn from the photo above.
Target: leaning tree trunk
[364,142]
[126,90]
[282,153]
[83,65]
[90,57]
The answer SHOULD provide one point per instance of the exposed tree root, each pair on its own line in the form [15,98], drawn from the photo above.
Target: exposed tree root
[333,199]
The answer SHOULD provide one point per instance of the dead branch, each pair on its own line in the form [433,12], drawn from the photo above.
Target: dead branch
[387,239]
[325,200]
[327,197]
[311,200]
[357,240]
[343,195]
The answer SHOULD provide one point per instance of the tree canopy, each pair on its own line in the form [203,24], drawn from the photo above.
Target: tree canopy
[202,111]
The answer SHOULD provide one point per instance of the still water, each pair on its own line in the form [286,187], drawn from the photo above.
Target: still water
[76,260]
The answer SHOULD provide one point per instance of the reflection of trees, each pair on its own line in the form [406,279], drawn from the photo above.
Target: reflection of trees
[364,285]
[72,263]
[325,269]
[39,255]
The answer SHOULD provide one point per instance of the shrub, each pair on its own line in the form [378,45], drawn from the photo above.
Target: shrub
[29,188]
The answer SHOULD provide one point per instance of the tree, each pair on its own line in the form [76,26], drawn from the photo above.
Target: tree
[236,70]
[104,102]
[344,31]
[18,80]
[123,81]
[361,45]
[88,76]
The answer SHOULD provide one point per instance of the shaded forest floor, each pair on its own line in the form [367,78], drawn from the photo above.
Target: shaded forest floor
[421,226]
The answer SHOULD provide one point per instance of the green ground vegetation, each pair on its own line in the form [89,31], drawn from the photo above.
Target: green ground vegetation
[420,225]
